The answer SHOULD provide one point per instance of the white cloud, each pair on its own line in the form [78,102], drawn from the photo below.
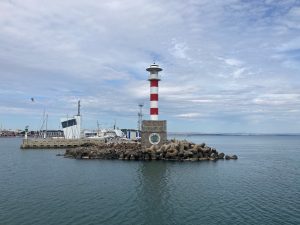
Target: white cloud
[292,44]
[225,59]
[233,62]
[202,100]
[179,50]
[292,19]
[278,99]
[238,72]
[189,115]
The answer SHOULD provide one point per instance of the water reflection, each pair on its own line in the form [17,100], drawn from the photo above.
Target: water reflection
[153,192]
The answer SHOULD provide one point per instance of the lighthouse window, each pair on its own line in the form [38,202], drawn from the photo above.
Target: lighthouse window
[68,123]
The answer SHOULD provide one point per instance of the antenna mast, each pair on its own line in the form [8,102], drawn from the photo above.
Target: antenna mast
[78,114]
[45,133]
[140,116]
[41,132]
[98,128]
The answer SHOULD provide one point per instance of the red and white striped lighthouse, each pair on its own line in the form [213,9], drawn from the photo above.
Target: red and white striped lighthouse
[154,80]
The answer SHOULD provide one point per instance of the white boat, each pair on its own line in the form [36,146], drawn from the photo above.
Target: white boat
[105,134]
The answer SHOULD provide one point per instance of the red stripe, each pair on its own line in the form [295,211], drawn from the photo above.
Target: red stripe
[154,83]
[153,97]
[153,111]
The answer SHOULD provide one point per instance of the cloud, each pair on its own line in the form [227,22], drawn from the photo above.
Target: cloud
[223,60]
[293,44]
[278,99]
[233,62]
[179,50]
[292,19]
[201,100]
[189,115]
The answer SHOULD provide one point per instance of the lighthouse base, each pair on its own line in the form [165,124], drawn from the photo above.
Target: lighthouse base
[154,132]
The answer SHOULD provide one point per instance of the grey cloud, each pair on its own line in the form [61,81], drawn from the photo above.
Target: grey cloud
[221,59]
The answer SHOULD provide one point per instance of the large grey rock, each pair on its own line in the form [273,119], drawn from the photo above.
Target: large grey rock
[200,155]
[213,155]
[231,157]
[234,157]
[221,155]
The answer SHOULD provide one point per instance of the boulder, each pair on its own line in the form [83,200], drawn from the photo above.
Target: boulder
[174,150]
[234,157]
[161,149]
[231,157]
[206,149]
[202,159]
[200,155]
[213,155]
[181,146]
[196,147]
[181,153]
[193,150]
[187,154]
[221,155]
[172,153]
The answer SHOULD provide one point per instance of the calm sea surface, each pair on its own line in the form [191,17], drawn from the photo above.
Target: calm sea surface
[261,187]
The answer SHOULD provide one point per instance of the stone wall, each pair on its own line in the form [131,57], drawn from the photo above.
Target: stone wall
[154,132]
[56,143]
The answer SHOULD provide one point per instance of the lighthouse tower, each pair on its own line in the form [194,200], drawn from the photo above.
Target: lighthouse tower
[154,131]
[154,80]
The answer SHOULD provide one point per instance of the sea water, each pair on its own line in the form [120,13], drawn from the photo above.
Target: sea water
[261,187]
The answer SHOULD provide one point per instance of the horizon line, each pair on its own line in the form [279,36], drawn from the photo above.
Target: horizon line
[233,133]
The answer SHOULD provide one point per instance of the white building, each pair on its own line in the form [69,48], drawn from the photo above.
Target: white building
[71,127]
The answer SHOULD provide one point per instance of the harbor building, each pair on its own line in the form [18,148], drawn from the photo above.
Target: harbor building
[132,134]
[71,126]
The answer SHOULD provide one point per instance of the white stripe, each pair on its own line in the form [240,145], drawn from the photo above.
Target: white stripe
[153,90]
[153,117]
[153,104]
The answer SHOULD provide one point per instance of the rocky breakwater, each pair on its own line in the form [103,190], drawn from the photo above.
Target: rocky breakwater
[173,150]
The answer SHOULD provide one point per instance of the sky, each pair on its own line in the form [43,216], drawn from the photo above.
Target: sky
[228,66]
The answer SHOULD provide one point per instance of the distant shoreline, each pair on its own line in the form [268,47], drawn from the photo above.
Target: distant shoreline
[204,134]
[231,134]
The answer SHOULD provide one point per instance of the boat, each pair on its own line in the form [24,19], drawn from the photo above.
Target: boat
[105,134]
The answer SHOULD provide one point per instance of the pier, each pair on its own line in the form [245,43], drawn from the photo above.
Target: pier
[50,143]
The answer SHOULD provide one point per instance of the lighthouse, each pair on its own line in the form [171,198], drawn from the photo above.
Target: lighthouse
[154,80]
[154,131]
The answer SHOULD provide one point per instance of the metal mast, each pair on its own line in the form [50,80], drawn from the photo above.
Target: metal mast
[140,116]
[78,114]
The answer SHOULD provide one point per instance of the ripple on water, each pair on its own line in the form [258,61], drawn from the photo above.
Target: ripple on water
[261,187]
